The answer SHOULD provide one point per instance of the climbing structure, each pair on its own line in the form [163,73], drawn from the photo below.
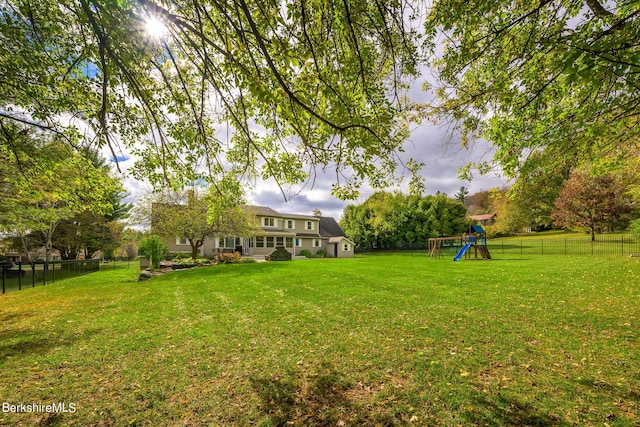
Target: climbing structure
[474,241]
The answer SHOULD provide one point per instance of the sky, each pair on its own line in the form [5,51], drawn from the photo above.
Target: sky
[429,143]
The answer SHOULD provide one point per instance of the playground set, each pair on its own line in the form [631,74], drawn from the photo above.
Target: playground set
[475,238]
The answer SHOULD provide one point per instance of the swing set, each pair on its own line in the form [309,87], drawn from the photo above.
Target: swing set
[475,238]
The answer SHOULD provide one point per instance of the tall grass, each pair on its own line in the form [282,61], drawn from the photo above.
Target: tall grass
[393,339]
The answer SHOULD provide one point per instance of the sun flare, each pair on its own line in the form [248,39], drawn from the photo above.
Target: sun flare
[155,28]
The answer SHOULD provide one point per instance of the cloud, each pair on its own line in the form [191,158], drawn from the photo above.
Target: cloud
[430,144]
[303,203]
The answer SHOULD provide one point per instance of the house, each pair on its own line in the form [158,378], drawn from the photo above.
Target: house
[292,231]
[486,219]
[338,245]
[40,254]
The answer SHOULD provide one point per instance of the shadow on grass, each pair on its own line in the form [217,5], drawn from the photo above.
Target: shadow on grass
[325,398]
[20,343]
[626,397]
[503,411]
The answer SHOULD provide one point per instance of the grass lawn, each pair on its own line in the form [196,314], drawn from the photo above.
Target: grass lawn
[374,340]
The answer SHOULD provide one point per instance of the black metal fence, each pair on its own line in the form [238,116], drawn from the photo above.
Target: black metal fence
[603,245]
[19,275]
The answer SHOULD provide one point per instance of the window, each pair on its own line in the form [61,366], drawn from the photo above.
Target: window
[345,247]
[279,241]
[259,242]
[268,222]
[289,242]
[182,241]
[291,224]
[226,242]
[270,242]
[309,225]
[316,243]
[298,243]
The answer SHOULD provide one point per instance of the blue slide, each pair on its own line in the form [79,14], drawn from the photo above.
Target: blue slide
[462,251]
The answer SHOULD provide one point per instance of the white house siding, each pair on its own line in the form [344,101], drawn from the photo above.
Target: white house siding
[275,230]
[340,247]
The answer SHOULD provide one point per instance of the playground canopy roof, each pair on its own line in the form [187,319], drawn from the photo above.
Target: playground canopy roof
[476,229]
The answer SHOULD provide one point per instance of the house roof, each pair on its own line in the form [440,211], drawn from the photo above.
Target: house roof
[275,231]
[307,235]
[483,217]
[262,210]
[329,227]
[338,239]
[266,211]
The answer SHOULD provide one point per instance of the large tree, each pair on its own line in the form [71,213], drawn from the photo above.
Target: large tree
[88,231]
[595,203]
[46,181]
[195,215]
[258,88]
[461,195]
[559,77]
[529,203]
[390,219]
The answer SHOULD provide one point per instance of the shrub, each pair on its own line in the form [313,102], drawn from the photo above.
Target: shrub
[131,251]
[227,258]
[190,261]
[634,227]
[320,254]
[306,252]
[154,248]
[280,254]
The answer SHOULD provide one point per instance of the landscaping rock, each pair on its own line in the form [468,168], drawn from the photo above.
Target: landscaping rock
[145,274]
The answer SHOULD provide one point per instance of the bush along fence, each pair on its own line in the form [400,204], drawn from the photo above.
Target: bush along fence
[603,245]
[19,275]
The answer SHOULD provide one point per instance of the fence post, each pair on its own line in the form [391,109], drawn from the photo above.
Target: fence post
[3,279]
[33,274]
[20,276]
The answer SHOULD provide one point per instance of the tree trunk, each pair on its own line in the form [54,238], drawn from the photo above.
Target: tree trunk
[195,245]
[25,246]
